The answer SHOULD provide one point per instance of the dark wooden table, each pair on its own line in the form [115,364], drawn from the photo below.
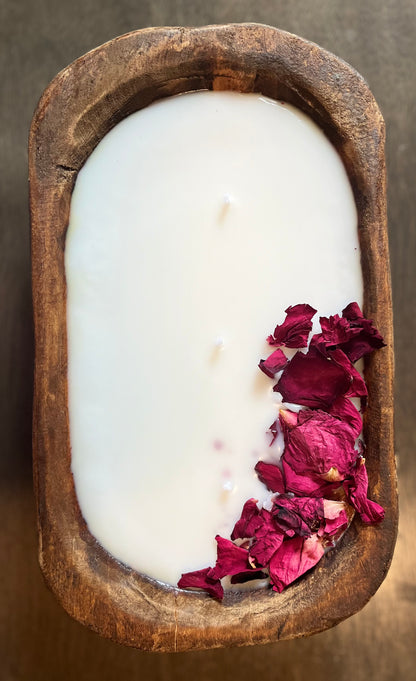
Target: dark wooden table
[38,641]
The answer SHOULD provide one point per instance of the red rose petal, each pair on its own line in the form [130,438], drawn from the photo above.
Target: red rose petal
[268,539]
[358,387]
[304,485]
[368,338]
[274,363]
[321,445]
[344,409]
[199,580]
[295,557]
[250,519]
[288,419]
[353,313]
[274,431]
[352,333]
[294,331]
[298,515]
[336,518]
[230,559]
[271,476]
[312,380]
[336,330]
[356,490]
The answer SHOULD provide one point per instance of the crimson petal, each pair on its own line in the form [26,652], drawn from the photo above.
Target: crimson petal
[306,485]
[312,380]
[336,518]
[250,519]
[199,579]
[344,409]
[288,419]
[358,387]
[321,445]
[271,476]
[356,490]
[274,363]
[368,338]
[274,431]
[336,330]
[268,539]
[353,313]
[294,331]
[298,515]
[295,557]
[231,559]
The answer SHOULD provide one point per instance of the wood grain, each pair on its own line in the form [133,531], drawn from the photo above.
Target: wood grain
[79,107]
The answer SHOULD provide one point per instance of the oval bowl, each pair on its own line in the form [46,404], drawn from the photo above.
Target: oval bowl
[78,108]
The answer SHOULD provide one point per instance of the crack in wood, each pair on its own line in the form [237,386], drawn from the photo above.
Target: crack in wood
[69,169]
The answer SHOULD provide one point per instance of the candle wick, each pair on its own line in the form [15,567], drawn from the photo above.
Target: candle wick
[225,207]
[217,347]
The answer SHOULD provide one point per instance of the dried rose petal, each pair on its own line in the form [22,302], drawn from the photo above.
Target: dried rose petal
[230,559]
[336,518]
[352,333]
[294,331]
[312,380]
[271,476]
[298,515]
[344,409]
[368,338]
[358,387]
[356,490]
[295,557]
[336,330]
[268,539]
[274,430]
[288,419]
[274,363]
[199,579]
[353,313]
[250,519]
[306,485]
[321,445]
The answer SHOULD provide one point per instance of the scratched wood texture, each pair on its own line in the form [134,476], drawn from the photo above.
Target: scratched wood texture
[37,639]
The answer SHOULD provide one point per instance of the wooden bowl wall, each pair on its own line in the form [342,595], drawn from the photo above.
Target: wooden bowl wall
[78,108]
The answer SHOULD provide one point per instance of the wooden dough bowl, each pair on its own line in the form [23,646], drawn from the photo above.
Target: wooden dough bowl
[77,109]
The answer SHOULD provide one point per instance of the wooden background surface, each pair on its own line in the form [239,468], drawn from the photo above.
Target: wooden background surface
[38,641]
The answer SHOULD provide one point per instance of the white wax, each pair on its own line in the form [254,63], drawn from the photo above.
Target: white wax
[194,224]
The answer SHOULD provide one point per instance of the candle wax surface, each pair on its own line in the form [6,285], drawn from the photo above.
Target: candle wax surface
[194,224]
